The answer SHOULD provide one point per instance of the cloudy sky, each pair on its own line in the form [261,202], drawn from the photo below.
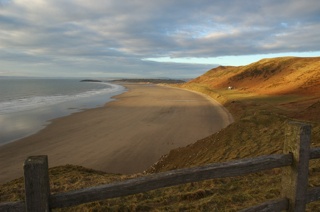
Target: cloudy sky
[144,38]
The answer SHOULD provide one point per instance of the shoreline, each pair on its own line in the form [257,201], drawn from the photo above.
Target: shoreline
[21,124]
[224,111]
[127,135]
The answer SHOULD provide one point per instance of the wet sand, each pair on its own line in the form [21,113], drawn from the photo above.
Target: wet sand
[124,136]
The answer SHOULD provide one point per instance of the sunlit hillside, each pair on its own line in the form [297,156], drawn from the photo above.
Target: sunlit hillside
[284,75]
[265,96]
[262,97]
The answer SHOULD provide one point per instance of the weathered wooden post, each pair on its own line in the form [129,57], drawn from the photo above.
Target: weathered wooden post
[37,188]
[295,177]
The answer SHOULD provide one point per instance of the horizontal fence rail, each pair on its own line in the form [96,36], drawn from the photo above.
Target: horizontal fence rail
[313,194]
[171,178]
[294,196]
[12,206]
[315,153]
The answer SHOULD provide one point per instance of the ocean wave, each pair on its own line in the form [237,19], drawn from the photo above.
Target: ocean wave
[30,103]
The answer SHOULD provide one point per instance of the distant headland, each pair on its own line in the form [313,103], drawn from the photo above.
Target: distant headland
[90,80]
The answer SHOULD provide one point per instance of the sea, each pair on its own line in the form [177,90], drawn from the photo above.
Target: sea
[28,105]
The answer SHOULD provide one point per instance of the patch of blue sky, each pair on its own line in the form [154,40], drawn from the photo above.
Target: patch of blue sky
[237,60]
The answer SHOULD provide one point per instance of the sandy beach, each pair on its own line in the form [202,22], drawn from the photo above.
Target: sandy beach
[127,135]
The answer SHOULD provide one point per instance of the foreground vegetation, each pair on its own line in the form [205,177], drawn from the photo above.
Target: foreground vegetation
[258,129]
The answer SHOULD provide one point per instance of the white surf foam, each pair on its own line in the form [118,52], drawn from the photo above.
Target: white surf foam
[30,103]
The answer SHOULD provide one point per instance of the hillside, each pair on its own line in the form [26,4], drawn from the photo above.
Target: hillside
[284,75]
[265,96]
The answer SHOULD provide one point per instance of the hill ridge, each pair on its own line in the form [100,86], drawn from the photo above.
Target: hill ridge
[281,75]
[258,129]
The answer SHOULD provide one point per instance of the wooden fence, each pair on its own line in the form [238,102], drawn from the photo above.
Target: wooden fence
[294,163]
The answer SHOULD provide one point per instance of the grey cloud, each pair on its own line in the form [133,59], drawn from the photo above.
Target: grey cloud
[78,34]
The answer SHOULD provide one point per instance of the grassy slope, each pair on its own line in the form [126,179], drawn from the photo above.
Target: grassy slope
[260,114]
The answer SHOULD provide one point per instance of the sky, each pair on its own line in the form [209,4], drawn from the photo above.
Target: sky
[151,39]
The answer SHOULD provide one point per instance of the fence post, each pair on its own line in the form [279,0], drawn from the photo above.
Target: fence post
[295,177]
[37,188]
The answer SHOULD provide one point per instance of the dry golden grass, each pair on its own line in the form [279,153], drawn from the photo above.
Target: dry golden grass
[260,114]
[268,76]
